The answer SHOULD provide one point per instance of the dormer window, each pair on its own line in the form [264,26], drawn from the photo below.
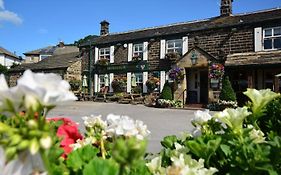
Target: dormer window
[104,53]
[272,38]
[174,46]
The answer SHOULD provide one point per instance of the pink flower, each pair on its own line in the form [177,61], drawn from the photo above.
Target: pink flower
[69,132]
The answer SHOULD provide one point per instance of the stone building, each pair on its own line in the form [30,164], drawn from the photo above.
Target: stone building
[247,44]
[68,66]
[42,53]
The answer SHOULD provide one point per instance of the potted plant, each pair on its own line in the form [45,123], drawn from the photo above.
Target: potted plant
[152,83]
[102,62]
[137,58]
[172,56]
[216,74]
[176,74]
[118,84]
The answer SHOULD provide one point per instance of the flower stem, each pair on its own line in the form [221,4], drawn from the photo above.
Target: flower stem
[46,161]
[103,151]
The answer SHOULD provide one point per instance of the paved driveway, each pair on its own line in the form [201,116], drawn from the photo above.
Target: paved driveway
[160,122]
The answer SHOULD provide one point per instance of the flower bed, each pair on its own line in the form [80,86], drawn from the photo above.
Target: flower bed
[233,141]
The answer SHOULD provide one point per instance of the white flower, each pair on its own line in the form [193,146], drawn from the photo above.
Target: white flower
[94,121]
[46,142]
[24,164]
[201,117]
[125,126]
[48,89]
[154,166]
[196,132]
[233,118]
[260,98]
[256,135]
[12,95]
[81,143]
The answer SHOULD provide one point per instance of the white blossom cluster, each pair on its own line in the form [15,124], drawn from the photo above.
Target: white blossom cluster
[181,165]
[117,125]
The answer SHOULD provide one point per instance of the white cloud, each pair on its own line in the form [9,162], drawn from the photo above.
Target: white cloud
[2,4]
[10,17]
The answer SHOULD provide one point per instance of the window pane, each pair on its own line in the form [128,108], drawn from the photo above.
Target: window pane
[178,44]
[170,44]
[277,43]
[268,44]
[277,31]
[179,50]
[268,32]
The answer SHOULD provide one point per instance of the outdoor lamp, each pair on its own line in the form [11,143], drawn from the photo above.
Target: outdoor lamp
[194,58]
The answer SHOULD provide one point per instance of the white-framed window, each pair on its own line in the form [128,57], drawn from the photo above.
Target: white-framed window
[138,49]
[137,82]
[139,79]
[174,46]
[101,81]
[104,53]
[272,38]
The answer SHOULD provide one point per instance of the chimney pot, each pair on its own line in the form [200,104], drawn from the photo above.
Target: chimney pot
[104,30]
[226,7]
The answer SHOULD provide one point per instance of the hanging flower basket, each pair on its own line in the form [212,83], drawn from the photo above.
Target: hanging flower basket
[176,74]
[214,83]
[216,71]
[172,56]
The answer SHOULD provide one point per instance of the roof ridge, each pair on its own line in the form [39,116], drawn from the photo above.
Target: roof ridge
[190,22]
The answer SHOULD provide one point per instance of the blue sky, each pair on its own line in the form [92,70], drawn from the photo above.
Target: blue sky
[31,24]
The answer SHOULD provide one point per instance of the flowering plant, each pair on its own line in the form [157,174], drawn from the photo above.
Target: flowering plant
[118,84]
[103,62]
[137,57]
[229,142]
[172,56]
[152,83]
[216,71]
[176,74]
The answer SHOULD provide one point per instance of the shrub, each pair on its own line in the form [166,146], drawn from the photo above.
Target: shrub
[75,85]
[118,84]
[167,92]
[3,69]
[227,92]
[152,83]
[272,120]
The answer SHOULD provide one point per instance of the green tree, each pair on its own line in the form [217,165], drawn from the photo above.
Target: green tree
[227,92]
[166,92]
[3,70]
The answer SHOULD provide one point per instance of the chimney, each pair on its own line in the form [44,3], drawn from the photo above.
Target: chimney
[226,7]
[104,28]
[61,44]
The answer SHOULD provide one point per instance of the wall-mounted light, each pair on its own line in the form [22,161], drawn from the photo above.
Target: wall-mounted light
[125,45]
[194,57]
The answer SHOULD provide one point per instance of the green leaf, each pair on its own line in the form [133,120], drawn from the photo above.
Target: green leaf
[101,167]
[74,161]
[80,157]
[169,141]
[226,149]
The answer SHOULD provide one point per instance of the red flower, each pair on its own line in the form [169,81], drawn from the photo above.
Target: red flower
[69,132]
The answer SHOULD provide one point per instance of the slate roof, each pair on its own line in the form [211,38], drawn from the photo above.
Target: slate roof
[254,59]
[53,50]
[62,61]
[6,52]
[187,27]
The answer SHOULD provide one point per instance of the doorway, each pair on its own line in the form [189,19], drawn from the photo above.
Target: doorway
[197,86]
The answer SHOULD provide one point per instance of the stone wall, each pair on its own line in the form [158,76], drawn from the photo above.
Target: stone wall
[229,40]
[73,72]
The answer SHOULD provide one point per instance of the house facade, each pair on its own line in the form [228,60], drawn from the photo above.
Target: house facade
[8,58]
[248,45]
